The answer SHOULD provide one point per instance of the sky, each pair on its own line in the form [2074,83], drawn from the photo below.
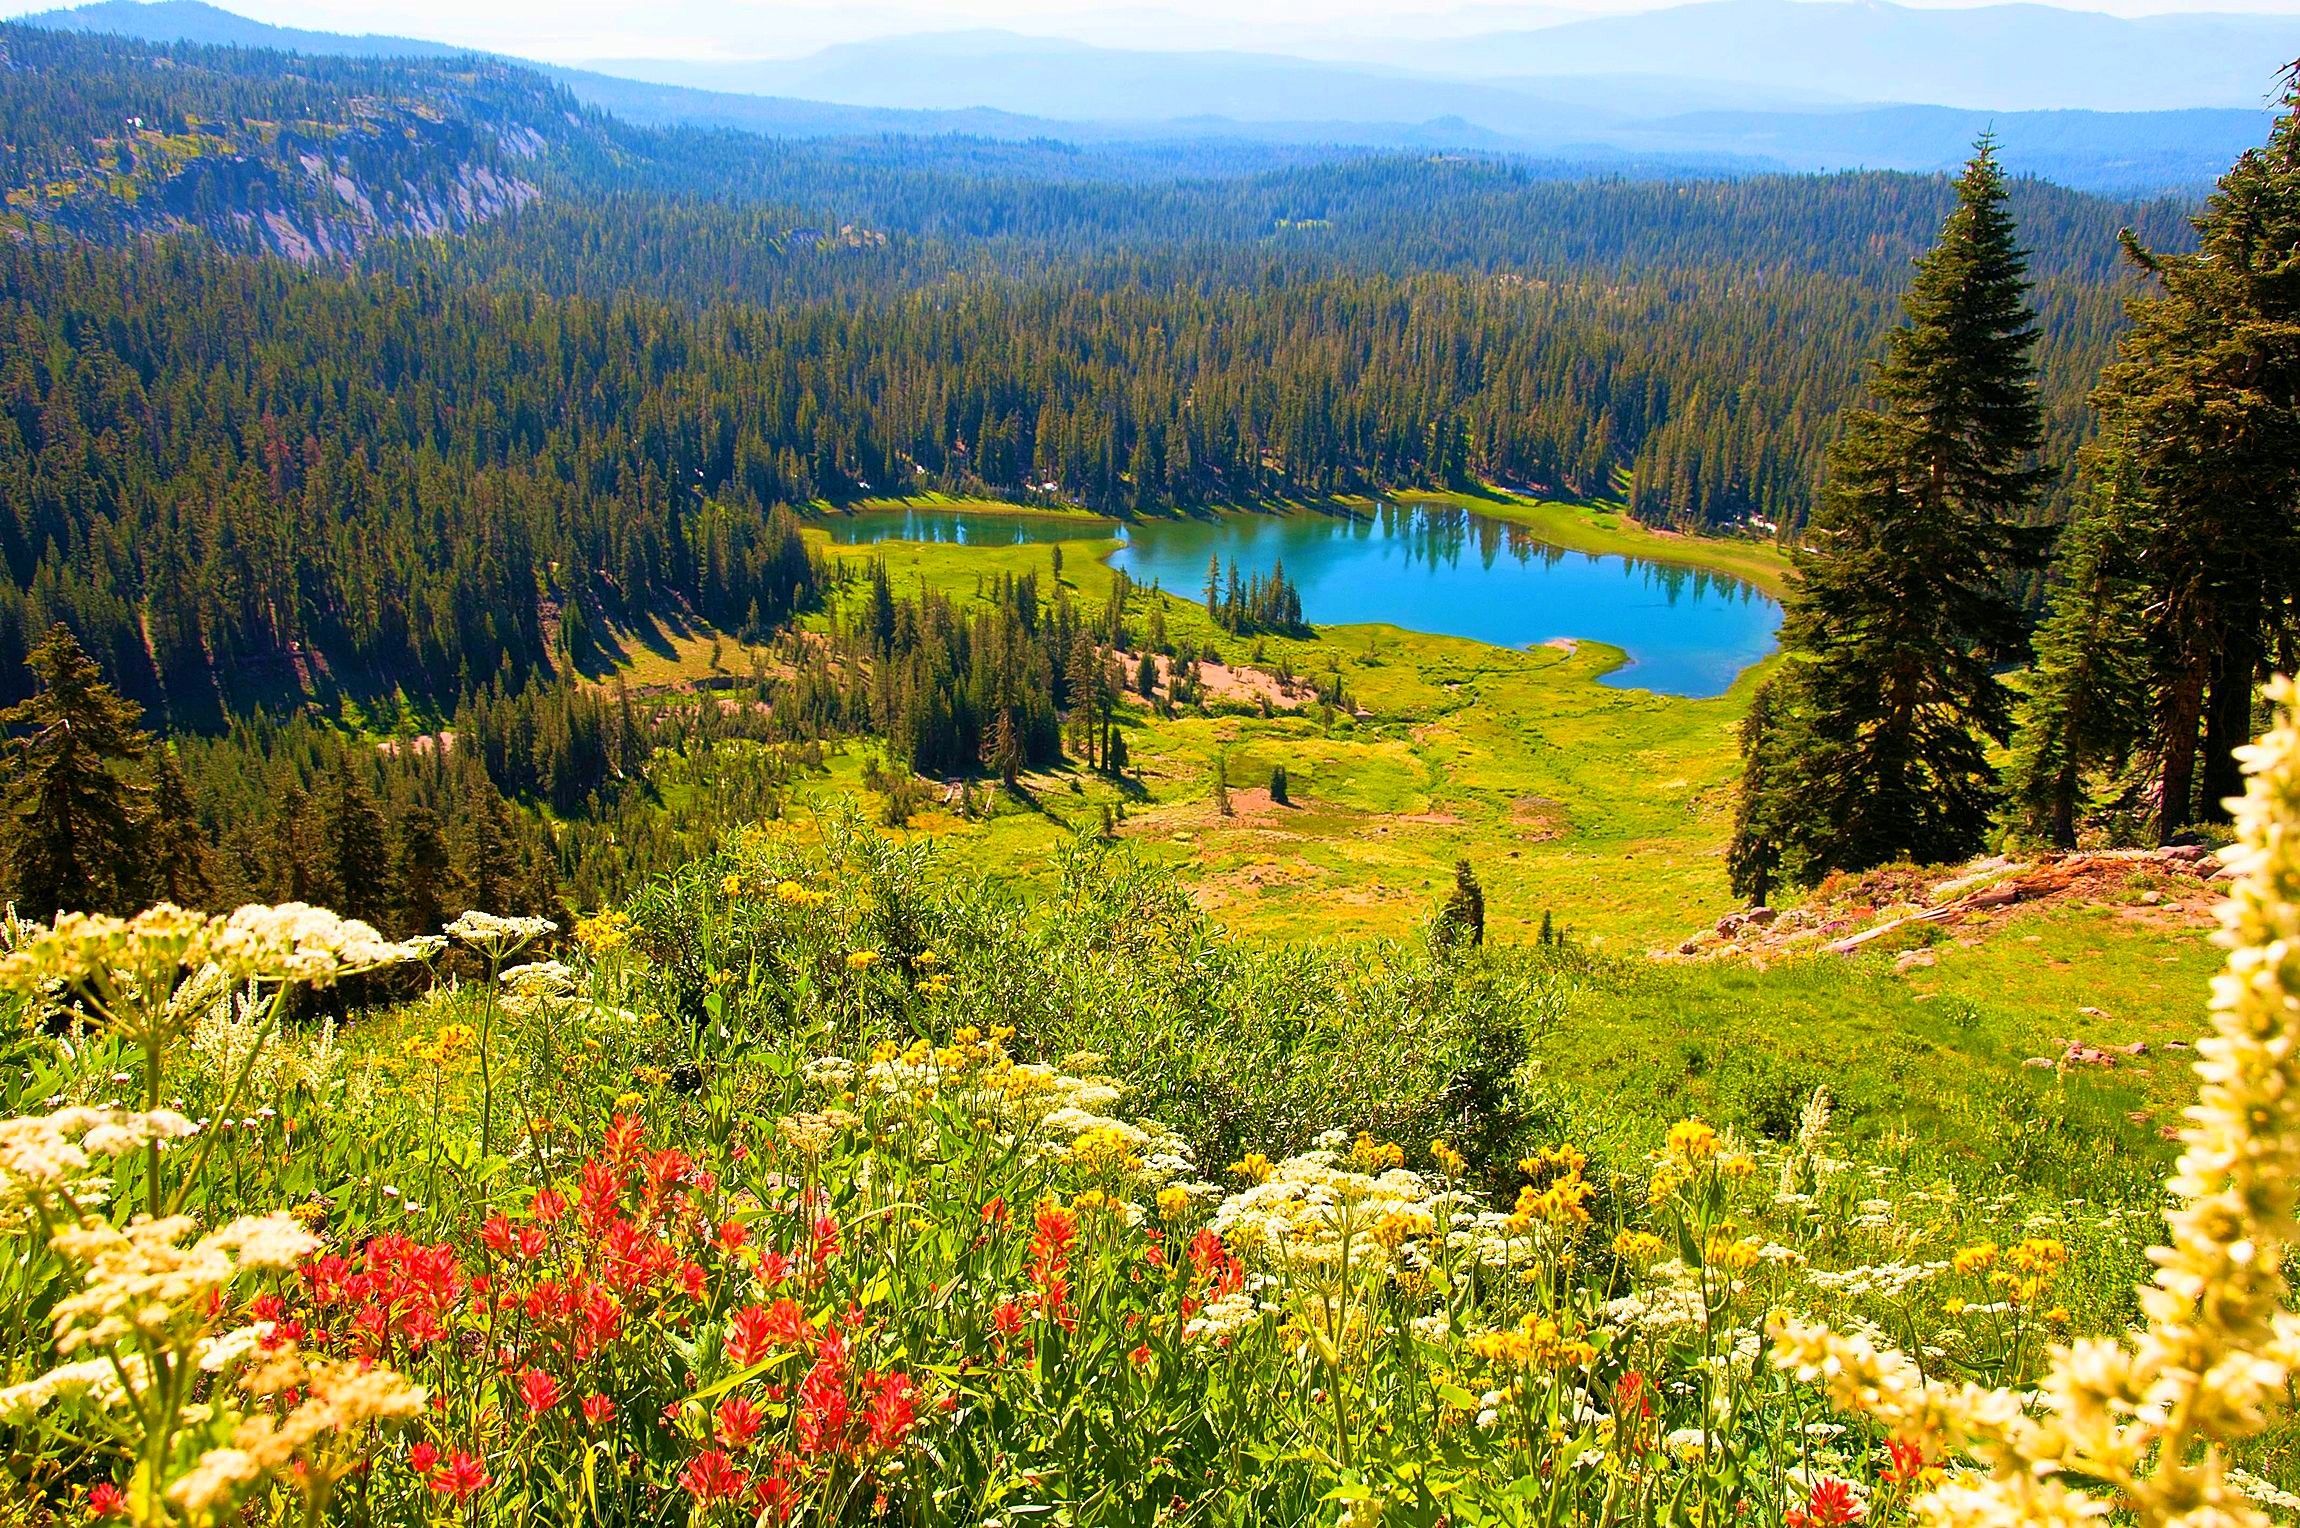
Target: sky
[572,31]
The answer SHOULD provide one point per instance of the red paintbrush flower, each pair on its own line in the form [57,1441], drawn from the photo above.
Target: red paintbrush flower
[712,1477]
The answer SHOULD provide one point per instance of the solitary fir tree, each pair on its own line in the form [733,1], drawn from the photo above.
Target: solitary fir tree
[1278,786]
[2204,588]
[1462,919]
[1903,604]
[73,815]
[423,871]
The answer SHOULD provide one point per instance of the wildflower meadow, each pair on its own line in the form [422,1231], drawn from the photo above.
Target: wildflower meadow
[793,1192]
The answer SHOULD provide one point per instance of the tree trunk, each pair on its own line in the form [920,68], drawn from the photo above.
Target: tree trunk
[2228,723]
[2064,789]
[2183,707]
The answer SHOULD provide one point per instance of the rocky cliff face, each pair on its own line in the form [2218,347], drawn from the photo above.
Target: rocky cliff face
[306,158]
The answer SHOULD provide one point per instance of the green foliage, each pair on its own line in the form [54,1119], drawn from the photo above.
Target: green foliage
[1875,743]
[73,815]
[2181,584]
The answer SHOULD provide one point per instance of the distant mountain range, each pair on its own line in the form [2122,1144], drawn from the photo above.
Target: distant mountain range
[1725,86]
[1987,57]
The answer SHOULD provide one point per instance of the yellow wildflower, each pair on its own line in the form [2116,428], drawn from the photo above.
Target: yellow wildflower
[1692,1142]
[603,933]
[861,960]
[1254,1167]
[1368,1155]
[1446,1159]
[1977,1258]
[1173,1202]
[1638,1247]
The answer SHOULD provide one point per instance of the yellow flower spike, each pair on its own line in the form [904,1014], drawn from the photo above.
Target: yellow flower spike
[1638,1247]
[861,960]
[1173,1202]
[1446,1159]
[629,1101]
[1737,1165]
[732,885]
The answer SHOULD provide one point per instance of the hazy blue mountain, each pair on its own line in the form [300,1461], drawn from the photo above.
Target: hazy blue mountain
[1004,86]
[1075,82]
[1997,57]
[195,21]
[2096,151]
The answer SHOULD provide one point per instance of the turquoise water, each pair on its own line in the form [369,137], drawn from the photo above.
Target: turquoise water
[1441,570]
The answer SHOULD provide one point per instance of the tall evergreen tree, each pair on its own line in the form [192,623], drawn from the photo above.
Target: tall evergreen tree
[73,816]
[424,873]
[1903,604]
[178,863]
[2204,397]
[2087,705]
[360,846]
[1753,859]
[494,873]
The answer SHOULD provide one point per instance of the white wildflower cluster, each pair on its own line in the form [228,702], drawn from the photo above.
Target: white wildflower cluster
[1223,1317]
[810,1134]
[140,957]
[1312,1206]
[498,937]
[1889,1281]
[1669,1301]
[2148,1417]
[44,1157]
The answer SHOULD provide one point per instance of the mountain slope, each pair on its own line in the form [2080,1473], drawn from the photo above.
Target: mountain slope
[108,138]
[194,21]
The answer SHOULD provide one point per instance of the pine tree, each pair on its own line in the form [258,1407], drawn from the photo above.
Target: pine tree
[178,863]
[360,848]
[2203,394]
[493,872]
[1278,794]
[72,829]
[1903,603]
[1462,919]
[1006,748]
[423,873]
[2088,702]
[1753,858]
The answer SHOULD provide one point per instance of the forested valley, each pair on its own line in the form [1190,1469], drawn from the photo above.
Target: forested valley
[385,397]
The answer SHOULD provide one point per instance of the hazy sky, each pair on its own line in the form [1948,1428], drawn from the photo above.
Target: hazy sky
[570,30]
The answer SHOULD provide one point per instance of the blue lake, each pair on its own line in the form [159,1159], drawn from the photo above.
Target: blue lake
[1440,570]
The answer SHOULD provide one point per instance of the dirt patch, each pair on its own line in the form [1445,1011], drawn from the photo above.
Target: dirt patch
[1898,904]
[1240,684]
[1537,818]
